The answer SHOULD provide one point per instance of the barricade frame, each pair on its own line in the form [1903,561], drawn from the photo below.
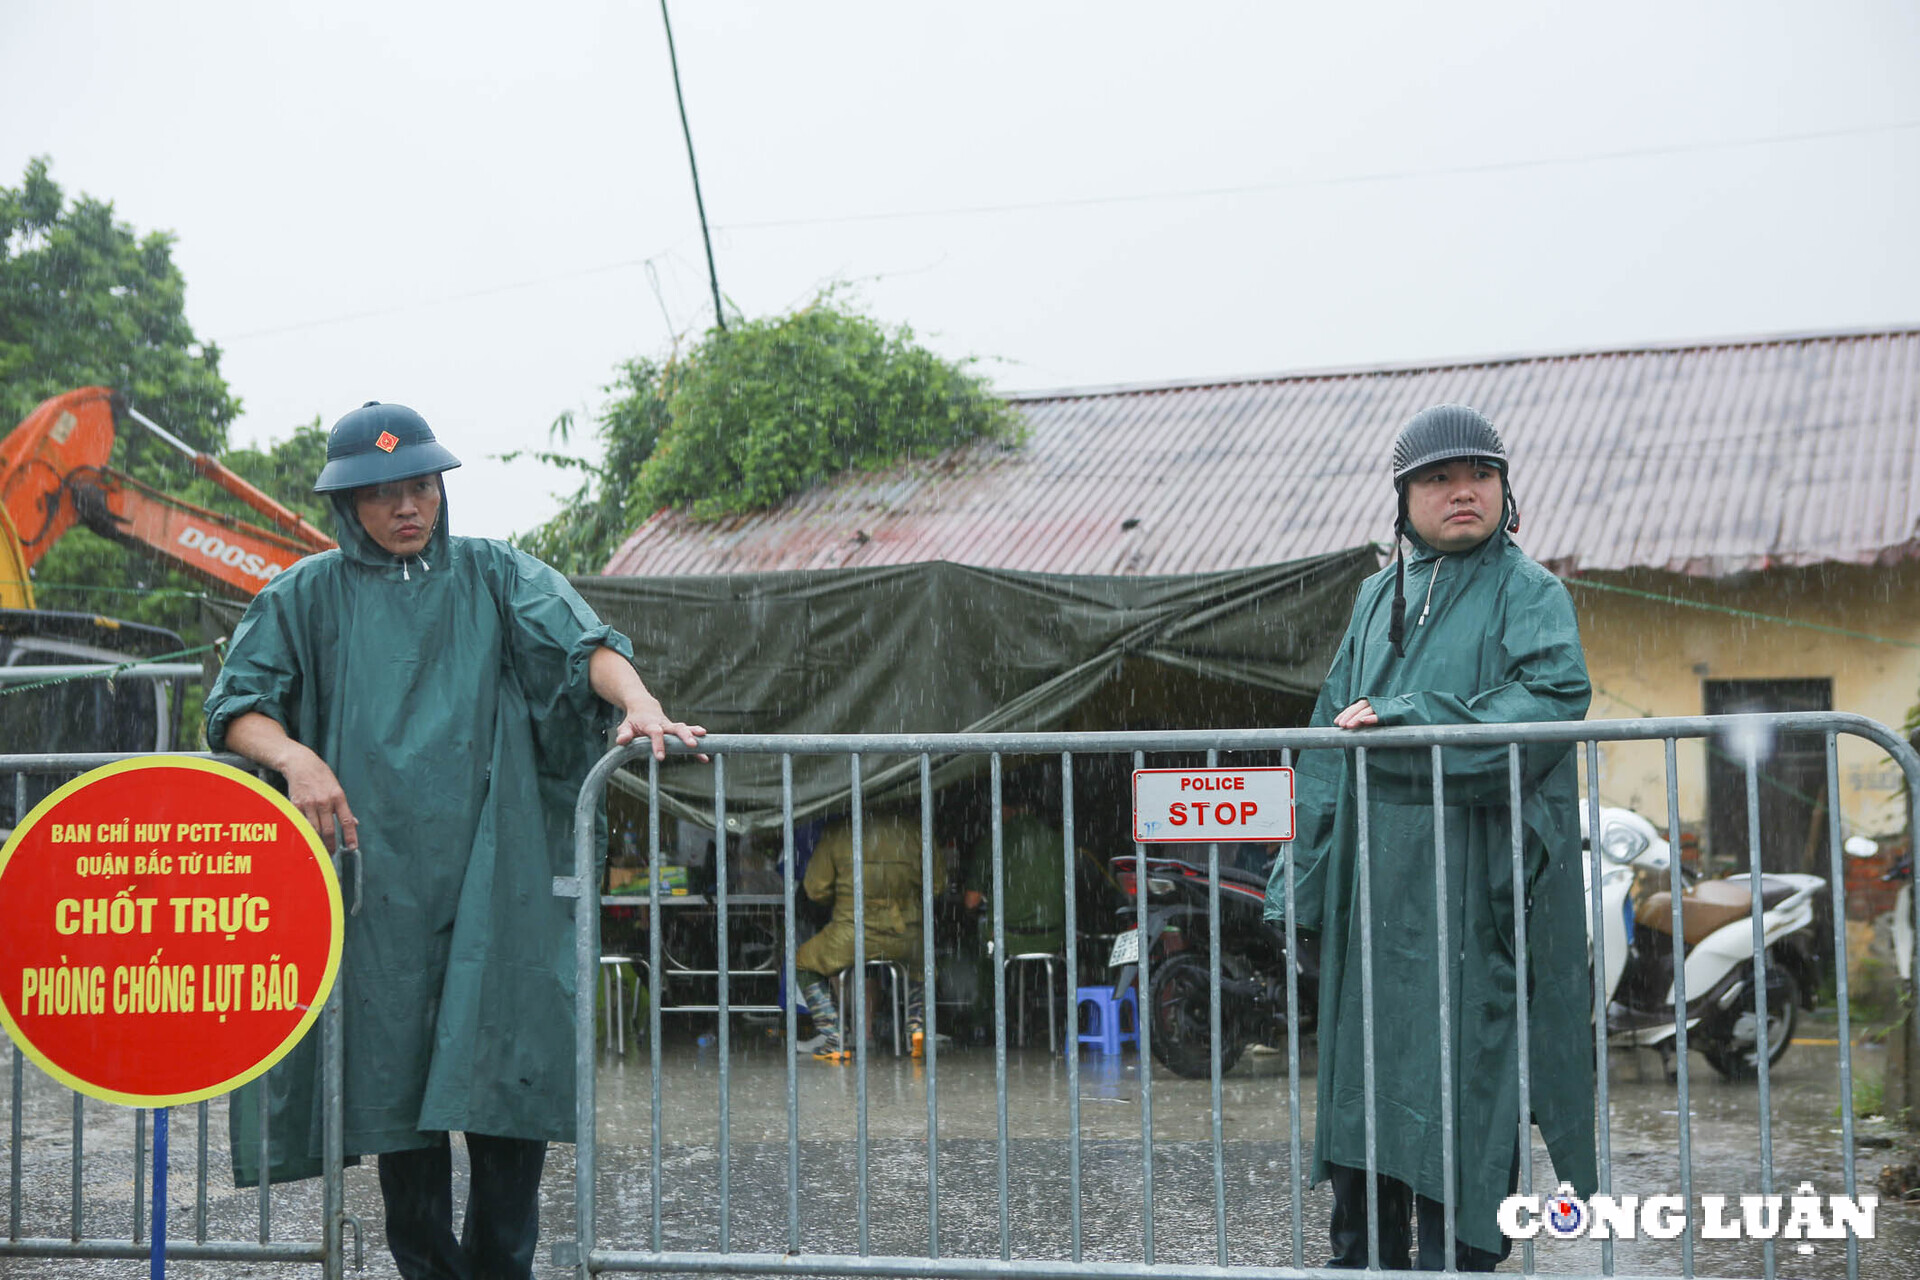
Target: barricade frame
[588,1257]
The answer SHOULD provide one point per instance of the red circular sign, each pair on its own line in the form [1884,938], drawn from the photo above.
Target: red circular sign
[169,929]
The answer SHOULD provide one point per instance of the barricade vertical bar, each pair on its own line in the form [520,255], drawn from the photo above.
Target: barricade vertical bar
[1073,982]
[1838,880]
[1524,1046]
[1602,1111]
[654,984]
[200,1179]
[261,1114]
[78,1141]
[859,1024]
[1213,1030]
[1144,1024]
[586,961]
[726,1021]
[13,1185]
[139,1174]
[1447,1174]
[1365,875]
[1761,1042]
[928,1003]
[1293,1053]
[999,945]
[19,1058]
[333,1144]
[793,1003]
[1675,891]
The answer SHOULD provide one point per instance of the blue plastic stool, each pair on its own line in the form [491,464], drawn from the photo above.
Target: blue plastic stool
[1103,1018]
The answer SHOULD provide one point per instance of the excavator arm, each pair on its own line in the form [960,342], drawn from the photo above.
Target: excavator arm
[54,474]
[217,549]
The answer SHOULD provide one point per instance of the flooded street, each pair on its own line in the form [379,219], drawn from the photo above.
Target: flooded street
[1254,1184]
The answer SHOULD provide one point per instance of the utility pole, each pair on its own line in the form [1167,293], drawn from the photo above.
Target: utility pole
[713,276]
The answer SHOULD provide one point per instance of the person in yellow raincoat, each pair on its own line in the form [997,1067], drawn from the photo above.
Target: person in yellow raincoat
[892,873]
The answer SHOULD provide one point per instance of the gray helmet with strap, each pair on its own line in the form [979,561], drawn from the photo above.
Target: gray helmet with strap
[1442,433]
[377,443]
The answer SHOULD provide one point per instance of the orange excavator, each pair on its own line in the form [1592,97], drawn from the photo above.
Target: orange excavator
[54,474]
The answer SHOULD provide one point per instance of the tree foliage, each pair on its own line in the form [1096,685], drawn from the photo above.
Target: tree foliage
[85,301]
[759,412]
[600,514]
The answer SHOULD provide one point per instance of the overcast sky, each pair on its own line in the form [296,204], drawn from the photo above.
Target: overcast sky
[479,208]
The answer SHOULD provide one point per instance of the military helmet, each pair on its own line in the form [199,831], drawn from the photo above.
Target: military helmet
[1443,432]
[377,443]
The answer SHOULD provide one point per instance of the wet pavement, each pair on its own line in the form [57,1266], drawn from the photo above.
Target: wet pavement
[1253,1187]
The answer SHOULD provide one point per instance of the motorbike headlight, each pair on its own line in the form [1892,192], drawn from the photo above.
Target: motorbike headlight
[1158,888]
[1622,843]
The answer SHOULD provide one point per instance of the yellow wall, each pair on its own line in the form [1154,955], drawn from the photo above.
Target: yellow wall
[1651,657]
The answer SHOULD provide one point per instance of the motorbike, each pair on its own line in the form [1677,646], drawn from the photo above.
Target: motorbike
[1253,963]
[1715,952]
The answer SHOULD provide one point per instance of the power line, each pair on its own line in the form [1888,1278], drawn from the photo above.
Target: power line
[1293,184]
[1066,203]
[706,237]
[491,290]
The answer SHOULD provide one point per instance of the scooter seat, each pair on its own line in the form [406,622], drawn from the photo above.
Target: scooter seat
[1238,875]
[1704,909]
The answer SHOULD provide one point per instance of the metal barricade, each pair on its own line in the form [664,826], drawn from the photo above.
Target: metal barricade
[1275,1195]
[109,1144]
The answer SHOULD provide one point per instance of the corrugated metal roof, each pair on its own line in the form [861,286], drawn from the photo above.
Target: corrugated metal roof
[1706,458]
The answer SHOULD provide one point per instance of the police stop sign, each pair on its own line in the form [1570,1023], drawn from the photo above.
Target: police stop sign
[169,929]
[1184,806]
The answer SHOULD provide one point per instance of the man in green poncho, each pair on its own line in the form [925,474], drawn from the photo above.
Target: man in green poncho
[1493,641]
[436,702]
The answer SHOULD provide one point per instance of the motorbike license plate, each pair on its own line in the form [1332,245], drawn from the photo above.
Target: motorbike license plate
[1126,949]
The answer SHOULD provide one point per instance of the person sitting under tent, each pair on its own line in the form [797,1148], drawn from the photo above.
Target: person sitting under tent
[891,869]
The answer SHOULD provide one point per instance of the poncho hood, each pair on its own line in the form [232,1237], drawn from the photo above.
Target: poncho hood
[358,546]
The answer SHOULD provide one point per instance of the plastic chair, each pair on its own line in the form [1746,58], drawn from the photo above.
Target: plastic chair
[1103,1017]
[1050,963]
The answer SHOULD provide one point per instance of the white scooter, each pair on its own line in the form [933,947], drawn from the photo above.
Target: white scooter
[1717,947]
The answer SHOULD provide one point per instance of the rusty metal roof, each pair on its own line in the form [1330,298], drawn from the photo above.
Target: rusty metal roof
[1707,458]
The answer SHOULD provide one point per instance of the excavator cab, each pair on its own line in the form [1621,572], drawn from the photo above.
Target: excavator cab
[85,715]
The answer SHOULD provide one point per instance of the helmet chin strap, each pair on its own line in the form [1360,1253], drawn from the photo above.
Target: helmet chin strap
[1397,614]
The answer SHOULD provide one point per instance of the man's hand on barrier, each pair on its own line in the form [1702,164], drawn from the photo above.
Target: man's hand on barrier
[311,786]
[651,722]
[641,715]
[1357,716]
[317,794]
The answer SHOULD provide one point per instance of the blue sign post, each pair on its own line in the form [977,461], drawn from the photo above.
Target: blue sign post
[157,1254]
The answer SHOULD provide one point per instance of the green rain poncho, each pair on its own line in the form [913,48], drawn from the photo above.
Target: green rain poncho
[449,694]
[1499,644]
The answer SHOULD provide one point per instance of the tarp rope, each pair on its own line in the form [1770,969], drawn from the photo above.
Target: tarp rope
[183,593]
[108,673]
[1749,614]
